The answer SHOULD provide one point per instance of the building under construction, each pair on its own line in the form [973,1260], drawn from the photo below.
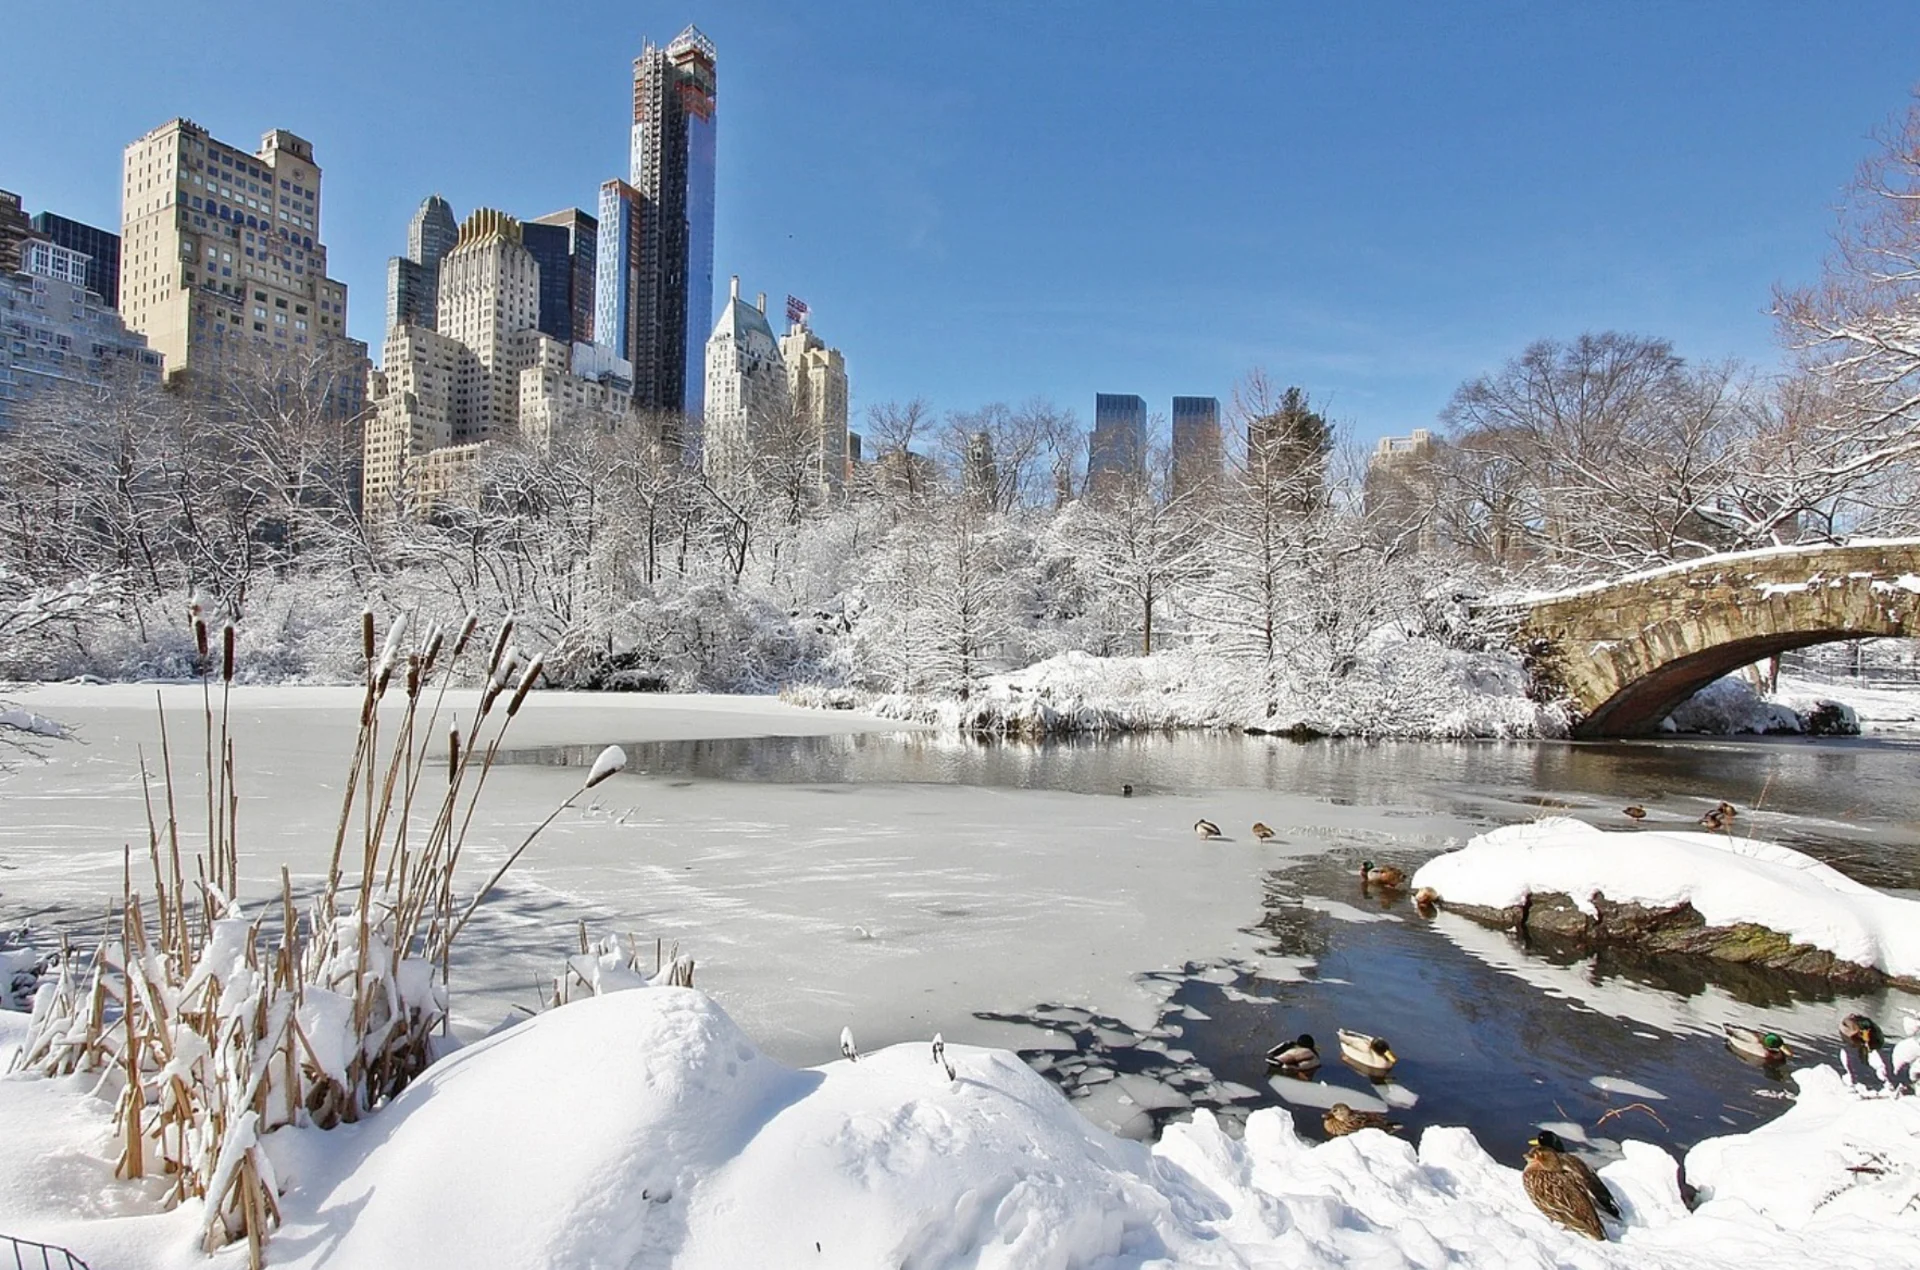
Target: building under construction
[670,309]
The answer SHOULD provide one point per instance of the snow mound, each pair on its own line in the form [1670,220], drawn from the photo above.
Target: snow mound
[1727,879]
[643,1129]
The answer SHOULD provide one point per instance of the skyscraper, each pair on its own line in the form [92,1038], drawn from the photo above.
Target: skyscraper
[486,374]
[576,291]
[413,280]
[1117,447]
[617,277]
[672,166]
[221,254]
[100,246]
[1196,443]
[548,244]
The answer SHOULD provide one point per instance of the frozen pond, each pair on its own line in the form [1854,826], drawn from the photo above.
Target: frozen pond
[827,870]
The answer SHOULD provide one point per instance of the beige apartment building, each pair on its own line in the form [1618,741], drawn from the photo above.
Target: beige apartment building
[817,385]
[767,395]
[486,374]
[221,254]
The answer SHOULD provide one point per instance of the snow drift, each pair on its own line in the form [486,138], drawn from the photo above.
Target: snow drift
[642,1128]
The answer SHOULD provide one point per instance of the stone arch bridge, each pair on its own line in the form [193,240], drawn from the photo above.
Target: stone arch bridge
[1627,652]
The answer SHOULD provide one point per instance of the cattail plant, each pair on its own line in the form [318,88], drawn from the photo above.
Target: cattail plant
[216,1030]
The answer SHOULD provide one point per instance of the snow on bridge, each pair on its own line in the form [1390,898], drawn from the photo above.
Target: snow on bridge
[1627,652]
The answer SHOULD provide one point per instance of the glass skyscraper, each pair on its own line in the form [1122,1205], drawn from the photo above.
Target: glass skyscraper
[1117,447]
[672,159]
[101,247]
[617,276]
[551,247]
[1196,442]
[583,242]
[413,280]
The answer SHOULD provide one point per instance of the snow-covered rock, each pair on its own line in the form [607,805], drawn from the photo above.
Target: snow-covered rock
[1728,881]
[1731,706]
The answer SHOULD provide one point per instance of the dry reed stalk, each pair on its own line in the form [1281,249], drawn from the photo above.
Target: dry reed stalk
[209,1033]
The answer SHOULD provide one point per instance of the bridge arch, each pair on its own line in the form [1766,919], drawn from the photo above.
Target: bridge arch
[1626,653]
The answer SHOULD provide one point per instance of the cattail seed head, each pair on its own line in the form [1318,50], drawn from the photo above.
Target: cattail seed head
[453,753]
[366,636]
[467,629]
[531,673]
[200,638]
[434,642]
[500,644]
[611,760]
[226,653]
[413,675]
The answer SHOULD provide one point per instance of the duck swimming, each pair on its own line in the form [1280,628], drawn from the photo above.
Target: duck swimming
[1298,1055]
[1370,1052]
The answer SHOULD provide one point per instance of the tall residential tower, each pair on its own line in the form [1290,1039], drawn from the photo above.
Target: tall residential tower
[660,289]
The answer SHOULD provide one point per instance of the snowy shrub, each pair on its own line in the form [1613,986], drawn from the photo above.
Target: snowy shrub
[613,964]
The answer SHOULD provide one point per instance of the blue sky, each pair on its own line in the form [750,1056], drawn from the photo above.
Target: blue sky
[995,201]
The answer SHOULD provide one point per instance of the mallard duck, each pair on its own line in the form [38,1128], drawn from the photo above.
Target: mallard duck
[1298,1055]
[1727,810]
[1261,831]
[1636,812]
[1602,1197]
[1381,875]
[1753,1043]
[1126,791]
[1370,1052]
[1425,899]
[1558,1191]
[1206,828]
[1715,821]
[1858,1029]
[1341,1120]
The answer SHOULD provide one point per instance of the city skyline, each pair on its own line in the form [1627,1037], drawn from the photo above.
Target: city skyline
[1487,201]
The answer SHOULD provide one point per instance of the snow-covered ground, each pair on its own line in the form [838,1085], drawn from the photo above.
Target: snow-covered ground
[645,1129]
[1882,708]
[648,1129]
[1727,879]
